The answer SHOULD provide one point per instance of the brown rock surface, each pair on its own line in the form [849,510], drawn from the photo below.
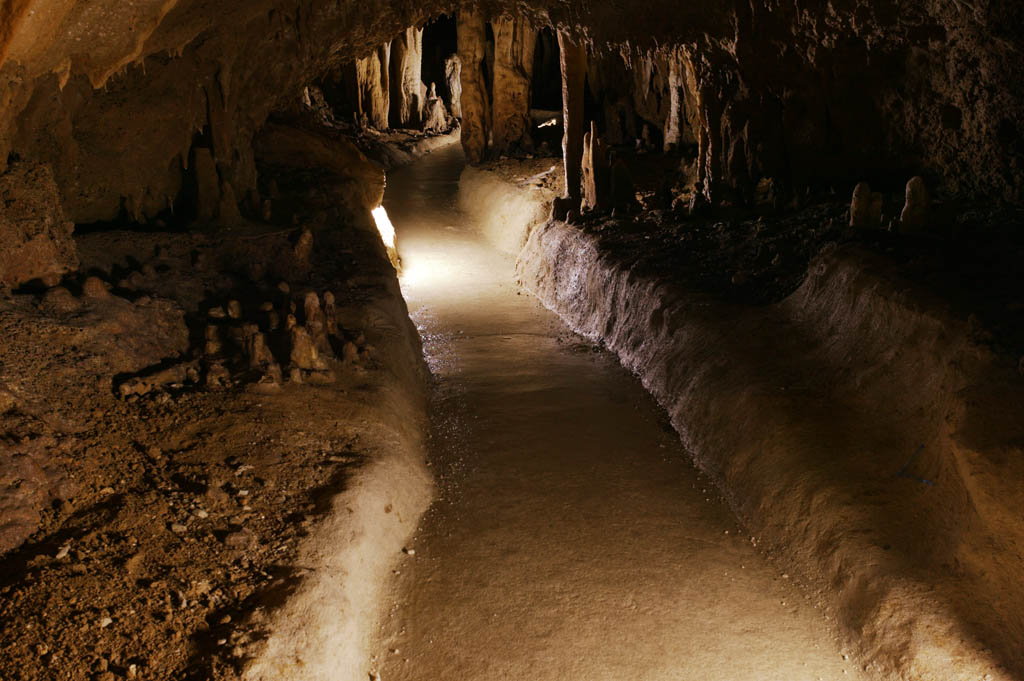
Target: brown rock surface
[288,146]
[514,42]
[35,238]
[475,99]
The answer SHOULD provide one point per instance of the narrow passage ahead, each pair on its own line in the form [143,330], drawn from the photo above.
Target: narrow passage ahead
[573,540]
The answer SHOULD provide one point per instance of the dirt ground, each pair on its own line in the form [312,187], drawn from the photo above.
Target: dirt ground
[163,490]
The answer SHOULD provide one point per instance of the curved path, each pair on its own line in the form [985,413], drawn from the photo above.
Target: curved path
[573,540]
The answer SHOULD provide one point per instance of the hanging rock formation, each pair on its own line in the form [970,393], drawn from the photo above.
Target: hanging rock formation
[372,75]
[475,101]
[406,79]
[514,43]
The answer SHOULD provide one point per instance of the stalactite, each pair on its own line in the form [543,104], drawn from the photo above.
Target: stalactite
[373,85]
[406,80]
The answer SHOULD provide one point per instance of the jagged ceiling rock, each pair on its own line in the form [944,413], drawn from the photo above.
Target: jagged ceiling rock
[112,94]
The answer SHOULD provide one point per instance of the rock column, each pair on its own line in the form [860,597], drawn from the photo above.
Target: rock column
[573,63]
[514,44]
[406,79]
[453,76]
[476,114]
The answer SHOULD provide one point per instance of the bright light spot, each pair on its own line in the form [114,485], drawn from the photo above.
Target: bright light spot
[548,123]
[384,226]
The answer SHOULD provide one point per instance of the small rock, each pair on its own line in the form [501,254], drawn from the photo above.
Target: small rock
[409,552]
[60,299]
[94,287]
[234,309]
[178,528]
[350,352]
[217,376]
[242,539]
[216,313]
[105,622]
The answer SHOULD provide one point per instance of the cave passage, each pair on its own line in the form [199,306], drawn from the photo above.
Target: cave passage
[572,538]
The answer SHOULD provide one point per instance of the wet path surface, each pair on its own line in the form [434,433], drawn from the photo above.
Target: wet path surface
[572,540]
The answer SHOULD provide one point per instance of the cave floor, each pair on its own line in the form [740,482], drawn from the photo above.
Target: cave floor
[572,537]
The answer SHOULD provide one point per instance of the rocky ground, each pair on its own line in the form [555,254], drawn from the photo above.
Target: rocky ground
[170,435]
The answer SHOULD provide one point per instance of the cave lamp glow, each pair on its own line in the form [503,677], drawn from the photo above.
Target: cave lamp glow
[384,226]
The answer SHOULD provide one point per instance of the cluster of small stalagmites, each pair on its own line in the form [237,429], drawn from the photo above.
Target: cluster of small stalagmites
[274,336]
[866,208]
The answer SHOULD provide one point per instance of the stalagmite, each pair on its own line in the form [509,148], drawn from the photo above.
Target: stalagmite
[316,323]
[435,117]
[476,113]
[860,206]
[304,354]
[255,347]
[406,79]
[453,77]
[596,181]
[866,207]
[373,85]
[514,43]
[915,211]
[574,71]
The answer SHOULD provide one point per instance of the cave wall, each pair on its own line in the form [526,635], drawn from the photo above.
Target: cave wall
[116,120]
[113,96]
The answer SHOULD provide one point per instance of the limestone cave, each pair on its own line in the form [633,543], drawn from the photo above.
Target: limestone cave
[549,339]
